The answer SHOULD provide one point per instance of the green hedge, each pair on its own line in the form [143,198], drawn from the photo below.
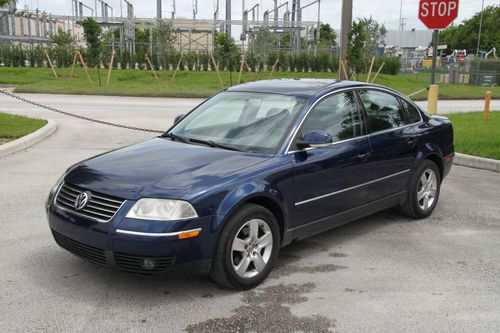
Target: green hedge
[323,61]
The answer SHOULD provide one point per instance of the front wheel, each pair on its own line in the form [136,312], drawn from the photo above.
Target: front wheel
[247,248]
[423,192]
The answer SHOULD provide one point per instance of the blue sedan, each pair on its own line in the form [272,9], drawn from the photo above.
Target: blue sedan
[248,171]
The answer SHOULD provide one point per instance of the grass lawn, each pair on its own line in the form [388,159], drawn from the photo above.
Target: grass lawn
[198,84]
[13,127]
[474,136]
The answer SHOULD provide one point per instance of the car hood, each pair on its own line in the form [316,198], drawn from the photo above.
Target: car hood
[160,168]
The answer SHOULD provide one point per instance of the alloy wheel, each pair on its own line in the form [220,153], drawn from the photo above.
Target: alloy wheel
[426,190]
[251,249]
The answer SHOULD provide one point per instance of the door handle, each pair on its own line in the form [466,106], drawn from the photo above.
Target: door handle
[411,141]
[364,156]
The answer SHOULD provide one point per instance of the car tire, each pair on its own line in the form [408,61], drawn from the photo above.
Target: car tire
[423,191]
[247,248]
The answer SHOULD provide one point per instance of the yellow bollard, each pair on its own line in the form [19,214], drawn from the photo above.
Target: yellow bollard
[487,101]
[432,102]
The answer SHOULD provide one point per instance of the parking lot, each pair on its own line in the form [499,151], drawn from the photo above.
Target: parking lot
[383,273]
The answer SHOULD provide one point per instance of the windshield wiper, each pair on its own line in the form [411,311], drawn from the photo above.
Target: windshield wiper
[214,144]
[174,137]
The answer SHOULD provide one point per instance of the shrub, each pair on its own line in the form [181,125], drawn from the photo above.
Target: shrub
[333,64]
[323,61]
[18,56]
[125,59]
[271,59]
[283,63]
[203,60]
[252,61]
[190,58]
[7,55]
[392,65]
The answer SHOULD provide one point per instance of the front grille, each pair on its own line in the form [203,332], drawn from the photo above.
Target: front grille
[100,207]
[84,251]
[135,264]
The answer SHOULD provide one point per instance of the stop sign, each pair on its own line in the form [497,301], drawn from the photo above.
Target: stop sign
[437,14]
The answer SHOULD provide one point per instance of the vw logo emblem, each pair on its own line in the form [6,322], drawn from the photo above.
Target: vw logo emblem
[81,200]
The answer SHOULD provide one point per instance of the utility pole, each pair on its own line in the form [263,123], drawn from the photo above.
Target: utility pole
[478,67]
[401,16]
[346,24]
[275,13]
[299,24]
[435,37]
[158,9]
[228,17]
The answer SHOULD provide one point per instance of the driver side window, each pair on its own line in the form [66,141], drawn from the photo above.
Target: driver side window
[337,115]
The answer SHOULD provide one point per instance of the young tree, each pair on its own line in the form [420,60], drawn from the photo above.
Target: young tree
[64,43]
[356,55]
[375,33]
[166,39]
[92,33]
[226,52]
[263,44]
[327,36]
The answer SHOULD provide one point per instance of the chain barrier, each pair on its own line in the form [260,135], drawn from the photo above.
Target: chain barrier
[22,99]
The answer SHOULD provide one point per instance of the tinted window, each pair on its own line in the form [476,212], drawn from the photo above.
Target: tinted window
[383,110]
[247,121]
[412,112]
[336,115]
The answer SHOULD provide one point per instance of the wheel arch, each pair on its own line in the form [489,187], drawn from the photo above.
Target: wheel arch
[436,159]
[432,153]
[263,199]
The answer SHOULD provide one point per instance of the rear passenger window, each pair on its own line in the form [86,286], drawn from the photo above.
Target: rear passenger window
[337,115]
[412,112]
[383,110]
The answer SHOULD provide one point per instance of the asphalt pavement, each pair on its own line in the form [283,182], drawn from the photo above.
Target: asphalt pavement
[383,273]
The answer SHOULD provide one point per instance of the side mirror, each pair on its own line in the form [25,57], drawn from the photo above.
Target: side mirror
[315,139]
[178,118]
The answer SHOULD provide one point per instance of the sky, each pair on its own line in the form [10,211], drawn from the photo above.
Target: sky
[384,11]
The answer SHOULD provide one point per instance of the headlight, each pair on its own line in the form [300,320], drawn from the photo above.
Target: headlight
[162,210]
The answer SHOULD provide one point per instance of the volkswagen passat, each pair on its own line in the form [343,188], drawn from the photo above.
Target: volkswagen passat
[248,171]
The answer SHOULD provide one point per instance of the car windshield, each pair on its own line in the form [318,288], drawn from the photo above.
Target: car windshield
[244,121]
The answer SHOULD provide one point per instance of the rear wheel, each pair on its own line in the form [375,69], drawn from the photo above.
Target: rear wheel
[247,248]
[423,192]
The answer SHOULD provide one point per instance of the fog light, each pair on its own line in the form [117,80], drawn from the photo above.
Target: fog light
[148,264]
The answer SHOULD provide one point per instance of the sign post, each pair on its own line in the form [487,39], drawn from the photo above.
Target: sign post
[436,14]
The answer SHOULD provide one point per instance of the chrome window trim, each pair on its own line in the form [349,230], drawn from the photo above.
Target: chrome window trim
[332,144]
[397,97]
[82,215]
[351,188]
[296,130]
[409,101]
[156,234]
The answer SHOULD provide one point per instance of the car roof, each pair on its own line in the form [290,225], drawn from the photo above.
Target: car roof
[295,87]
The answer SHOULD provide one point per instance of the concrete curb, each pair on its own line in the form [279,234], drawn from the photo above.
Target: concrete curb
[477,162]
[28,140]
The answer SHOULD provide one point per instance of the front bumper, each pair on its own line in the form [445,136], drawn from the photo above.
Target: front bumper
[136,246]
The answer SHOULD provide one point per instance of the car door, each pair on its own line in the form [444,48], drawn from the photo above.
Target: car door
[393,143]
[329,180]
